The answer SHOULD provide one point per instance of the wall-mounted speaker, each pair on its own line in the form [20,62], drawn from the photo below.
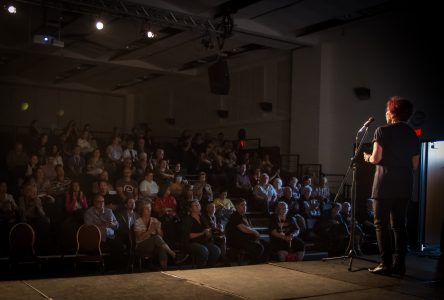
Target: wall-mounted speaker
[362,93]
[266,106]
[418,118]
[170,121]
[242,134]
[219,77]
[222,113]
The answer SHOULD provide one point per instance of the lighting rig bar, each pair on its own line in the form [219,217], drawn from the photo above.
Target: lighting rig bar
[151,14]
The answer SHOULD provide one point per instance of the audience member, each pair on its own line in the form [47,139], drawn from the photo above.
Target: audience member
[241,235]
[264,195]
[127,187]
[75,200]
[203,191]
[242,183]
[284,235]
[76,163]
[217,230]
[148,188]
[198,238]
[149,239]
[224,207]
[106,221]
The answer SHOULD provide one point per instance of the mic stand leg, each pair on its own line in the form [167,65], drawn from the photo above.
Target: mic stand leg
[351,251]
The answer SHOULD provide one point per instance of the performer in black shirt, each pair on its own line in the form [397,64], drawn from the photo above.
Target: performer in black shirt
[396,156]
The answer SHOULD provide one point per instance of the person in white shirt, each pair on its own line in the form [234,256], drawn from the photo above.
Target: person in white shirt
[148,188]
[130,152]
[264,194]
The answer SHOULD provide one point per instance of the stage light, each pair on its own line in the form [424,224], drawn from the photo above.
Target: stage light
[99,25]
[150,34]
[11,9]
[24,106]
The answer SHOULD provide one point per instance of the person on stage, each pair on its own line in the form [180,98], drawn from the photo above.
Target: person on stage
[396,155]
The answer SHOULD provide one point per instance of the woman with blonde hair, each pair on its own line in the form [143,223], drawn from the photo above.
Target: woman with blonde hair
[284,232]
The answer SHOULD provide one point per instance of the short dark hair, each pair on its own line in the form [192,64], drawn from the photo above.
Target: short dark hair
[237,201]
[400,108]
[140,206]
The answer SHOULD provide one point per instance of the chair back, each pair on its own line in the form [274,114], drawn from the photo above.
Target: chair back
[21,240]
[132,239]
[88,240]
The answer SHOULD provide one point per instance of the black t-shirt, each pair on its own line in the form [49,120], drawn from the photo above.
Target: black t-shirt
[394,173]
[190,225]
[234,235]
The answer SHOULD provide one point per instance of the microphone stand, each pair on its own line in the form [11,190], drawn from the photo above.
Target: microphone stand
[350,253]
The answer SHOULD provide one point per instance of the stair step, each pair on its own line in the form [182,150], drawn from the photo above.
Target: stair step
[256,213]
[262,222]
[261,229]
[265,237]
[315,255]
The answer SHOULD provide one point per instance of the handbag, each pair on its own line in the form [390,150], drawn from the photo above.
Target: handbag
[291,256]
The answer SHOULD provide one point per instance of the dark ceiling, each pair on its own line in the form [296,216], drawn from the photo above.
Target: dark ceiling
[190,35]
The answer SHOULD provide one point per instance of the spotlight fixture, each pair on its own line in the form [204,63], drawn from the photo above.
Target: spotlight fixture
[99,25]
[150,34]
[47,40]
[11,9]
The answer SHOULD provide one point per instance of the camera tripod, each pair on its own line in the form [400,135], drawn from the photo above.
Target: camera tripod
[351,253]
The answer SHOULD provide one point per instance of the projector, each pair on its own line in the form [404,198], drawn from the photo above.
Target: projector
[48,40]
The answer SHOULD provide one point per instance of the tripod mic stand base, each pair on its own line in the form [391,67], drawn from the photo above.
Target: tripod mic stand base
[351,255]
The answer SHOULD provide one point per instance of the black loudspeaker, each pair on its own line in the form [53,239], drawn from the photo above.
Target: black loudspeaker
[170,121]
[222,113]
[219,77]
[266,106]
[418,118]
[362,93]
[242,134]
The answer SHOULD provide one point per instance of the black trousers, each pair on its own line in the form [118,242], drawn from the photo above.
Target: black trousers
[258,251]
[390,215]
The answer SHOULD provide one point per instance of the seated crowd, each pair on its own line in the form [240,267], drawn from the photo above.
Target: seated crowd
[134,187]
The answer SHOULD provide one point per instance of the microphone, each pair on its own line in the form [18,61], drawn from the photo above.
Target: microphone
[366,124]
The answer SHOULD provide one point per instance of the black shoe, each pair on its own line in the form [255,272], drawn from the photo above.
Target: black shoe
[381,269]
[398,269]
[181,258]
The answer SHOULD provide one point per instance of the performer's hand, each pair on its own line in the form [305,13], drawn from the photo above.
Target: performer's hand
[366,156]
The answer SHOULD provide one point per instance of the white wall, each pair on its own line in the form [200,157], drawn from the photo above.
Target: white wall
[373,53]
[304,136]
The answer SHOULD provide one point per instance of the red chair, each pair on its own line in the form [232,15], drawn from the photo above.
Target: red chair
[21,245]
[88,246]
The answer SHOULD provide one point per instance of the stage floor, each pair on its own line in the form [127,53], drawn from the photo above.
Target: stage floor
[296,280]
